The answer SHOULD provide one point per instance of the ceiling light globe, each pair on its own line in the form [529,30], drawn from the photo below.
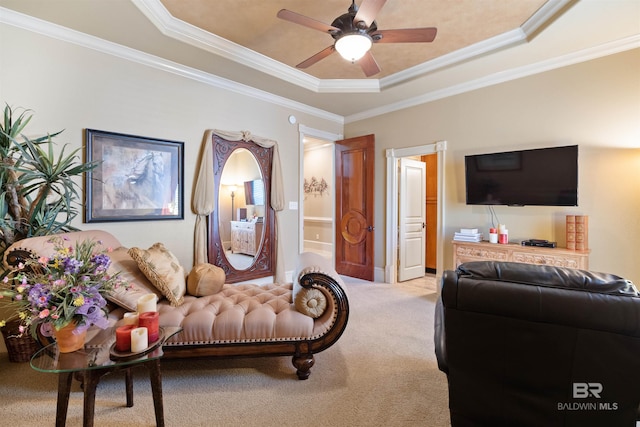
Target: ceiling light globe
[352,47]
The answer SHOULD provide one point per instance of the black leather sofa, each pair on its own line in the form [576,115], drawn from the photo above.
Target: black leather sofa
[528,345]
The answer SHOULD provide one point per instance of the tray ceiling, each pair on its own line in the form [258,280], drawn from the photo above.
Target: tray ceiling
[242,46]
[253,25]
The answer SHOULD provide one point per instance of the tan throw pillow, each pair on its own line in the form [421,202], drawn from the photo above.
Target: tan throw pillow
[139,285]
[311,302]
[163,269]
[205,279]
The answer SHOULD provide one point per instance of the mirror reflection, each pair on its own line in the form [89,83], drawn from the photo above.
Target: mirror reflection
[241,201]
[242,237]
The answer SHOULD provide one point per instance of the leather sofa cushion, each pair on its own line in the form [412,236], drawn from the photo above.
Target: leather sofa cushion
[542,275]
[559,298]
[515,339]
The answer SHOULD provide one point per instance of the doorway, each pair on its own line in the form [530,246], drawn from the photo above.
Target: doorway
[319,193]
[418,197]
[412,218]
[392,230]
[355,201]
[316,208]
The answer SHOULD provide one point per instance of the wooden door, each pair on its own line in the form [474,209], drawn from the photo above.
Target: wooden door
[431,161]
[412,219]
[355,164]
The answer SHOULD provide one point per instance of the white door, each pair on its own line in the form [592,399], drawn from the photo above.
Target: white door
[412,217]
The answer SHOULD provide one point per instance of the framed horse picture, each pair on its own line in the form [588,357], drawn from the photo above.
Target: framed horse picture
[136,178]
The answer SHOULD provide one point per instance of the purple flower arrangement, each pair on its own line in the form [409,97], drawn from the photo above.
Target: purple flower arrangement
[70,286]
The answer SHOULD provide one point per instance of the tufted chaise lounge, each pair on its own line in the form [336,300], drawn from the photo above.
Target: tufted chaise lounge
[239,320]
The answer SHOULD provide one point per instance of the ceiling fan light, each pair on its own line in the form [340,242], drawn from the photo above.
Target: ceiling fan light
[352,47]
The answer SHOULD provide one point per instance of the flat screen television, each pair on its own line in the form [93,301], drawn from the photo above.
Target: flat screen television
[538,177]
[254,192]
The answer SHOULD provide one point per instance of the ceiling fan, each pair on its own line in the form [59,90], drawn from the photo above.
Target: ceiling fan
[355,31]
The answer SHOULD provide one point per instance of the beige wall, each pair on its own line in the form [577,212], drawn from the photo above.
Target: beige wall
[594,104]
[71,87]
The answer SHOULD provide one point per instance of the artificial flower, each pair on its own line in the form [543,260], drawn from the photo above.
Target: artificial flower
[70,286]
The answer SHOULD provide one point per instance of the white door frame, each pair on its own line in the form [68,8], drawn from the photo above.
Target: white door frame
[304,132]
[393,155]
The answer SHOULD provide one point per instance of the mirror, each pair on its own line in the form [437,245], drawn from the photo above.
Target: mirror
[241,204]
[242,224]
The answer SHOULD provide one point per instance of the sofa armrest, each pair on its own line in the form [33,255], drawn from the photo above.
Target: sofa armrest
[333,321]
[42,245]
[440,343]
[308,299]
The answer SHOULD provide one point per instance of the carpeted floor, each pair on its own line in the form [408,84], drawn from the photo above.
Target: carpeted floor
[382,372]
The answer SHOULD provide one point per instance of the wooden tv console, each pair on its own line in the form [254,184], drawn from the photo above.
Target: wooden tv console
[515,252]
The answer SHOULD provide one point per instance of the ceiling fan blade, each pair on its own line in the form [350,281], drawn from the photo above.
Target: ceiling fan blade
[368,11]
[407,35]
[296,18]
[369,64]
[317,57]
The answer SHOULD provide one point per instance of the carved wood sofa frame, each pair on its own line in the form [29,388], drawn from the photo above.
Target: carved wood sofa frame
[301,350]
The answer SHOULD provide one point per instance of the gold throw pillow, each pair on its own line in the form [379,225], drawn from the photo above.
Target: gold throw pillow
[163,270]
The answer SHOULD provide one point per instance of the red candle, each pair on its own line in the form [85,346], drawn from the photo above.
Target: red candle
[123,337]
[150,320]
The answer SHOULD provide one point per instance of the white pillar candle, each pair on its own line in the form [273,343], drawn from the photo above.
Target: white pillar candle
[147,303]
[130,319]
[139,340]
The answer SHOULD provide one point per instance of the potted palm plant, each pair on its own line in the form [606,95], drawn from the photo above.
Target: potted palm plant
[39,193]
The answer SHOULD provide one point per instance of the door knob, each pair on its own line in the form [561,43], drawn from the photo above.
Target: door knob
[370,228]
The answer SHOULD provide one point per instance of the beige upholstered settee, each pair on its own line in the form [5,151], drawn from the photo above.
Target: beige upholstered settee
[221,320]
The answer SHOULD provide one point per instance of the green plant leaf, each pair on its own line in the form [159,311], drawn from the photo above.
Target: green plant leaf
[39,191]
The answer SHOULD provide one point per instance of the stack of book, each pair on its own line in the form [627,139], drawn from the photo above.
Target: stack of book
[468,235]
[578,232]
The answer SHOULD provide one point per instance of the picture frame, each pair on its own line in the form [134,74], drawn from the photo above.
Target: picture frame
[137,178]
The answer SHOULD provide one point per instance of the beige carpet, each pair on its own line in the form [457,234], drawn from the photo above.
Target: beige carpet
[382,372]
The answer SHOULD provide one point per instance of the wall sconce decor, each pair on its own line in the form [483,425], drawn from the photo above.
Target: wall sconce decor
[315,187]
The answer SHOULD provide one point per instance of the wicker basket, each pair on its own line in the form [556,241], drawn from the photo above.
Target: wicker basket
[19,347]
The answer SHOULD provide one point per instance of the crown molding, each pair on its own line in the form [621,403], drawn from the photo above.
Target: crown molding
[172,27]
[617,46]
[544,15]
[508,39]
[48,29]
[29,23]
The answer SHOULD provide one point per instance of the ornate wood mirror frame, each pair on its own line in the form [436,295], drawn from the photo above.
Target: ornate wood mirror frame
[264,261]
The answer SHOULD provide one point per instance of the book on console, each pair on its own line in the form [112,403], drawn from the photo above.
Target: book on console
[469,231]
[464,237]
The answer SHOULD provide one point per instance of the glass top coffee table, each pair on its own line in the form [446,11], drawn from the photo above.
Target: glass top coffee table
[97,359]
